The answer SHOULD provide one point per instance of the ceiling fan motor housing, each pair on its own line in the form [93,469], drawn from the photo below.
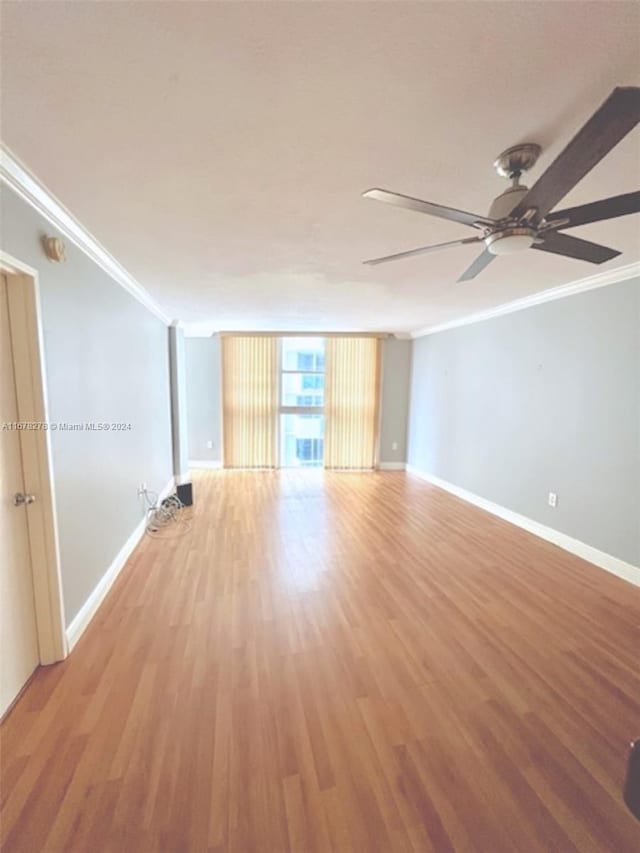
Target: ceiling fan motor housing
[513,237]
[502,206]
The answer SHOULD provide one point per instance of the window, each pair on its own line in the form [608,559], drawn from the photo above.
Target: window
[308,449]
[302,389]
[303,354]
[302,402]
[301,440]
[282,407]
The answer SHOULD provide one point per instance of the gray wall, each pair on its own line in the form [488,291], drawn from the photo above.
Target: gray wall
[204,404]
[106,360]
[545,399]
[396,374]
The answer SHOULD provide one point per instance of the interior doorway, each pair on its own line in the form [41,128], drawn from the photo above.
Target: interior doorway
[31,610]
[19,636]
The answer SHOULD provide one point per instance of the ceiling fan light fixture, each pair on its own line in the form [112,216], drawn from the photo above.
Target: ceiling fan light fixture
[510,240]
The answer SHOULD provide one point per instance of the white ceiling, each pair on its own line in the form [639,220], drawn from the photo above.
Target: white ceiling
[218,150]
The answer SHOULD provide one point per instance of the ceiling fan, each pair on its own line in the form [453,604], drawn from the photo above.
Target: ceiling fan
[520,218]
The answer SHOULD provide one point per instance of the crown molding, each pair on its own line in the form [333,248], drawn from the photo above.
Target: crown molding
[601,279]
[16,176]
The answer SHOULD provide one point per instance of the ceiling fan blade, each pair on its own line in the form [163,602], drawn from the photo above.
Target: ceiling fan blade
[618,115]
[596,211]
[422,250]
[572,247]
[477,266]
[421,206]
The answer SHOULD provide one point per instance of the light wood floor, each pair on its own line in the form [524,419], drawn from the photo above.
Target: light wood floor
[335,662]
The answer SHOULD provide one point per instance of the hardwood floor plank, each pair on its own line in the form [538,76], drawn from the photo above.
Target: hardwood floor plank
[335,662]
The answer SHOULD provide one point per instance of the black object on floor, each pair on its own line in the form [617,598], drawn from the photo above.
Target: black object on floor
[185,494]
[632,782]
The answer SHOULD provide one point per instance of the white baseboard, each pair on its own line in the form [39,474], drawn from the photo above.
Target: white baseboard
[204,463]
[391,466]
[618,567]
[89,609]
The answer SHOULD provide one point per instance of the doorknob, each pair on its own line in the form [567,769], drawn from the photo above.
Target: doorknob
[20,498]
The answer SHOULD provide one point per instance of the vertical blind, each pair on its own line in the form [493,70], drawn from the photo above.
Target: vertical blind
[250,401]
[352,394]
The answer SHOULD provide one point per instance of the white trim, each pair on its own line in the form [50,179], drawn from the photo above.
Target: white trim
[12,266]
[202,330]
[392,466]
[204,463]
[83,617]
[29,367]
[27,186]
[601,279]
[618,567]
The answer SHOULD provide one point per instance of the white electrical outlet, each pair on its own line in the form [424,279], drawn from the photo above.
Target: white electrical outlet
[394,445]
[142,488]
[209,445]
[553,499]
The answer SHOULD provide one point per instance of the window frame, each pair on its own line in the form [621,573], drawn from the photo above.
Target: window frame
[294,410]
[291,409]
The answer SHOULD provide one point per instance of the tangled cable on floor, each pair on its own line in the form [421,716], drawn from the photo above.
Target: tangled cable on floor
[164,516]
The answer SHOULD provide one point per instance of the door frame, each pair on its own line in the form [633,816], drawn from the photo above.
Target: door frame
[35,444]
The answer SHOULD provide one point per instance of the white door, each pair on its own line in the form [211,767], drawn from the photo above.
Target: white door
[18,637]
